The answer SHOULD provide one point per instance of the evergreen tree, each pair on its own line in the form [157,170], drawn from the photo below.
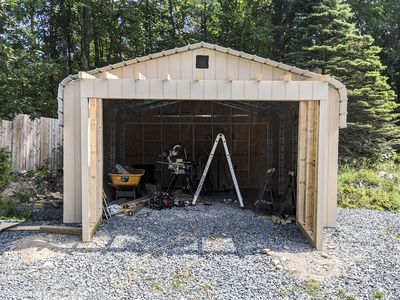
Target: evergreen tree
[324,41]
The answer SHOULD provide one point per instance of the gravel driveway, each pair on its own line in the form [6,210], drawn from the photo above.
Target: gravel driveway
[206,252]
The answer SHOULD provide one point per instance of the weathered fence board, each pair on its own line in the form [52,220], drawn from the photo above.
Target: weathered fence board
[32,143]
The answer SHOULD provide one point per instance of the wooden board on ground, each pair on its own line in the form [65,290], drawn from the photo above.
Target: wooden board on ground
[48,229]
[23,228]
[62,230]
[134,211]
[6,225]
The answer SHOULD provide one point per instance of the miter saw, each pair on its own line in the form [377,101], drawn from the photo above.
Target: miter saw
[178,165]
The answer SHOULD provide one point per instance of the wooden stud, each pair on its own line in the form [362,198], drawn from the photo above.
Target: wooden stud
[85,170]
[258,77]
[230,77]
[167,76]
[139,76]
[108,75]
[286,77]
[85,75]
[324,78]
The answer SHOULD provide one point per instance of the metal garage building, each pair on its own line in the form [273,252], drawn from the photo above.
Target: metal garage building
[272,114]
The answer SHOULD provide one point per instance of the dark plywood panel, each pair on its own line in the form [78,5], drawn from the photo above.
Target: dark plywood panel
[133,140]
[239,115]
[240,131]
[221,113]
[259,161]
[151,150]
[170,113]
[152,132]
[152,116]
[240,154]
[255,146]
[203,132]
[224,129]
[170,135]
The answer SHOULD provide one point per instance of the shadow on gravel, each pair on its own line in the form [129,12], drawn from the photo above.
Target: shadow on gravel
[221,229]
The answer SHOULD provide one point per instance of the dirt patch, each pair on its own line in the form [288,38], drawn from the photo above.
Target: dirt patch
[315,265]
[38,247]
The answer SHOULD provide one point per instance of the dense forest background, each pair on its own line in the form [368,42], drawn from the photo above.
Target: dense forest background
[356,41]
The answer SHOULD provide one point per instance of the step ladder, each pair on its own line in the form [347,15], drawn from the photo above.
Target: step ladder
[219,137]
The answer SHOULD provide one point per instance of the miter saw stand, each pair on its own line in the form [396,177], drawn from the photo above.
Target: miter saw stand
[178,165]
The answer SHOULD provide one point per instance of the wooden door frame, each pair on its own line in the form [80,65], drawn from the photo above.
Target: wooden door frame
[94,89]
[311,170]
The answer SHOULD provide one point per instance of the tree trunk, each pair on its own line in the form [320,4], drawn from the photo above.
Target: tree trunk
[171,19]
[204,22]
[85,38]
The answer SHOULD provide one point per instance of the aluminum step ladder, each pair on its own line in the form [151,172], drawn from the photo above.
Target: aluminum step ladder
[219,137]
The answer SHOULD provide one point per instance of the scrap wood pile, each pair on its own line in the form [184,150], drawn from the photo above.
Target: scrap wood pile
[154,200]
[40,188]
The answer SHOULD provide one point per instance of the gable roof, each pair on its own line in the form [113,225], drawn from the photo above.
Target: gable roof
[341,88]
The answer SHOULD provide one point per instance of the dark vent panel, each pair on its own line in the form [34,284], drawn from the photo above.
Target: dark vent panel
[202,61]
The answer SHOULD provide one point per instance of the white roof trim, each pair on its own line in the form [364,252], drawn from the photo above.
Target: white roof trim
[333,82]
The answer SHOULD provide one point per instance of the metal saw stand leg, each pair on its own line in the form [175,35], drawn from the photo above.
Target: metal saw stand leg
[228,157]
[266,188]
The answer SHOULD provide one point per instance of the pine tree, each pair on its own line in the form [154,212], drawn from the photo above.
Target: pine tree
[324,41]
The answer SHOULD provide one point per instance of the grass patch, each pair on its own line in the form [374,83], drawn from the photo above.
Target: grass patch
[378,295]
[156,286]
[377,188]
[10,210]
[207,287]
[342,296]
[177,283]
[313,288]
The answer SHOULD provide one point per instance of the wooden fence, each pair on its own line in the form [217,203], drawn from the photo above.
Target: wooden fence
[32,143]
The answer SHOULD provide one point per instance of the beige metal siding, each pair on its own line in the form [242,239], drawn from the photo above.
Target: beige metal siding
[332,137]
[72,158]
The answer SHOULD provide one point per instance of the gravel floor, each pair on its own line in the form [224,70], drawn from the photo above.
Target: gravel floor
[206,252]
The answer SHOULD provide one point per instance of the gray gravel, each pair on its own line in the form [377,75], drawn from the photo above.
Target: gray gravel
[206,253]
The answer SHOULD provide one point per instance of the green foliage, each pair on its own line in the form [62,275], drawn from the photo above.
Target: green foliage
[378,295]
[42,174]
[207,287]
[324,40]
[313,288]
[23,196]
[370,188]
[156,286]
[5,168]
[11,210]
[176,283]
[381,20]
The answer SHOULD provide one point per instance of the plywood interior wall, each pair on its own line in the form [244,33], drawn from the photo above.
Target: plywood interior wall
[259,137]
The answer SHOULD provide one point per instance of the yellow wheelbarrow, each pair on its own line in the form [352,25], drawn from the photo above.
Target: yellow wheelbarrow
[125,184]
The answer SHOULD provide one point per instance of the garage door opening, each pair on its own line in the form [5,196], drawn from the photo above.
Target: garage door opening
[260,136]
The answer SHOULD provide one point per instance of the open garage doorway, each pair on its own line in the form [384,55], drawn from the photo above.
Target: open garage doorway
[260,136]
